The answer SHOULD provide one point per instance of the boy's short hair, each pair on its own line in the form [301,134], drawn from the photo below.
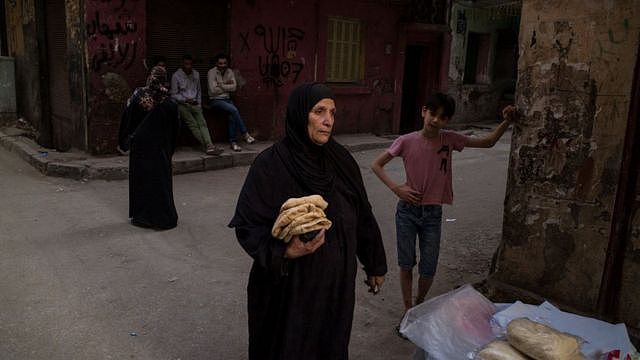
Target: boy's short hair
[187,57]
[440,100]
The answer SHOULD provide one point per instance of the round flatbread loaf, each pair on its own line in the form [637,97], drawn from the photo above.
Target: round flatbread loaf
[300,216]
[287,216]
[500,350]
[542,342]
[317,224]
[300,220]
[316,200]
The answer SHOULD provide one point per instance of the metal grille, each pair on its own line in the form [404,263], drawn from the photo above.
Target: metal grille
[198,28]
[59,91]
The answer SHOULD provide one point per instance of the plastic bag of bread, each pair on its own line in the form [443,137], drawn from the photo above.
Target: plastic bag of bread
[500,350]
[450,326]
[542,342]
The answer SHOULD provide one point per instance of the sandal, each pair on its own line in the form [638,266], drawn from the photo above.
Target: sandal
[214,150]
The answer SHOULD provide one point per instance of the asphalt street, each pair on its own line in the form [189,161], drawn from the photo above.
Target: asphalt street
[78,282]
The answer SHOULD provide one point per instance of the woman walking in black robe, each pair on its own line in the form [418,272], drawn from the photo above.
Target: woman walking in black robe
[301,295]
[148,129]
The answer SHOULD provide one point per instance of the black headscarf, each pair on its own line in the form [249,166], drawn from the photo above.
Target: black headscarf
[316,169]
[305,160]
[314,166]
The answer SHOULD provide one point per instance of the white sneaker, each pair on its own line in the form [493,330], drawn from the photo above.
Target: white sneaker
[235,147]
[249,139]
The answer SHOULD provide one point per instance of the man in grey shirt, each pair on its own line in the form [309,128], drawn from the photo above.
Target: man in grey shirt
[185,90]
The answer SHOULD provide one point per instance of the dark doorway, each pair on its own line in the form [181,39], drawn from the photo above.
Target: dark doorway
[421,79]
[476,69]
[506,57]
[198,28]
[58,74]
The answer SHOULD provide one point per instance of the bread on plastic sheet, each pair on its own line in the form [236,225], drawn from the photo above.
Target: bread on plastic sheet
[542,342]
[500,350]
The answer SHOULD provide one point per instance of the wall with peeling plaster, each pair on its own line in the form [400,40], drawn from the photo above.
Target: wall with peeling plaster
[477,102]
[22,43]
[574,81]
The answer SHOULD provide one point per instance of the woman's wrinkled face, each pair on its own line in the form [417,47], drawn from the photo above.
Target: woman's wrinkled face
[321,118]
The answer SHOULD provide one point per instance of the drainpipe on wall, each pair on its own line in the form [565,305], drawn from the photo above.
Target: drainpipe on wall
[317,42]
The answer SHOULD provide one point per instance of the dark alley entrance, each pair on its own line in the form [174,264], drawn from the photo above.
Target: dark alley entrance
[421,78]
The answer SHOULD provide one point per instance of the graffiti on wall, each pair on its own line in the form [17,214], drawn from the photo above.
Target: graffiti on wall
[114,35]
[278,61]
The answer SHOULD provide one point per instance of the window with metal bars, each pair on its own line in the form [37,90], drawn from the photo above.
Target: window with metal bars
[345,50]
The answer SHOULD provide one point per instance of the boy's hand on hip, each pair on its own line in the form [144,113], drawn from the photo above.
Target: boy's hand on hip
[406,193]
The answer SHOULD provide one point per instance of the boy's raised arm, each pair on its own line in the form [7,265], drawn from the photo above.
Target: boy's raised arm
[508,114]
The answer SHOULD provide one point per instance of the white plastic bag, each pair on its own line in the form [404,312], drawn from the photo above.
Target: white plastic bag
[452,325]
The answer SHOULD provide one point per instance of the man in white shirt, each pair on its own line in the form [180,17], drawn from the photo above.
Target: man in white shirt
[222,82]
[185,90]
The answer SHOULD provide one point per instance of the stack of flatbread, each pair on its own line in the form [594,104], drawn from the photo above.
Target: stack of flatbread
[299,216]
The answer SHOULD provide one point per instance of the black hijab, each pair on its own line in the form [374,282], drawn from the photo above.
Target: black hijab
[305,160]
[317,169]
[315,166]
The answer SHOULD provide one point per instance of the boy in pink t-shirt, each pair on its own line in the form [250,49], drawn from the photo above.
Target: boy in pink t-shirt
[427,162]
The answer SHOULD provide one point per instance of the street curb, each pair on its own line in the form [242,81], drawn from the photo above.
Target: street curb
[112,169]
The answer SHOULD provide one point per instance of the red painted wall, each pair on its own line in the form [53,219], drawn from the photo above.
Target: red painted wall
[272,47]
[276,45]
[115,52]
[368,106]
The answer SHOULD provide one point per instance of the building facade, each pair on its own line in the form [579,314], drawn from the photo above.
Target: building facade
[484,54]
[77,61]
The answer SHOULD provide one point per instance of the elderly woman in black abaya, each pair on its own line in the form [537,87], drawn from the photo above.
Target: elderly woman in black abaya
[301,294]
[148,129]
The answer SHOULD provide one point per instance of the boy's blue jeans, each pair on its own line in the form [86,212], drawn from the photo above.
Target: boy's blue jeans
[425,223]
[235,121]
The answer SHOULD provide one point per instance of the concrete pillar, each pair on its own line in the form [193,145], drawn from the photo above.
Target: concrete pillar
[575,75]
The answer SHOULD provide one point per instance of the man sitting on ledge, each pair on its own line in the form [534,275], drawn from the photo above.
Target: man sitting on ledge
[222,82]
[185,90]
